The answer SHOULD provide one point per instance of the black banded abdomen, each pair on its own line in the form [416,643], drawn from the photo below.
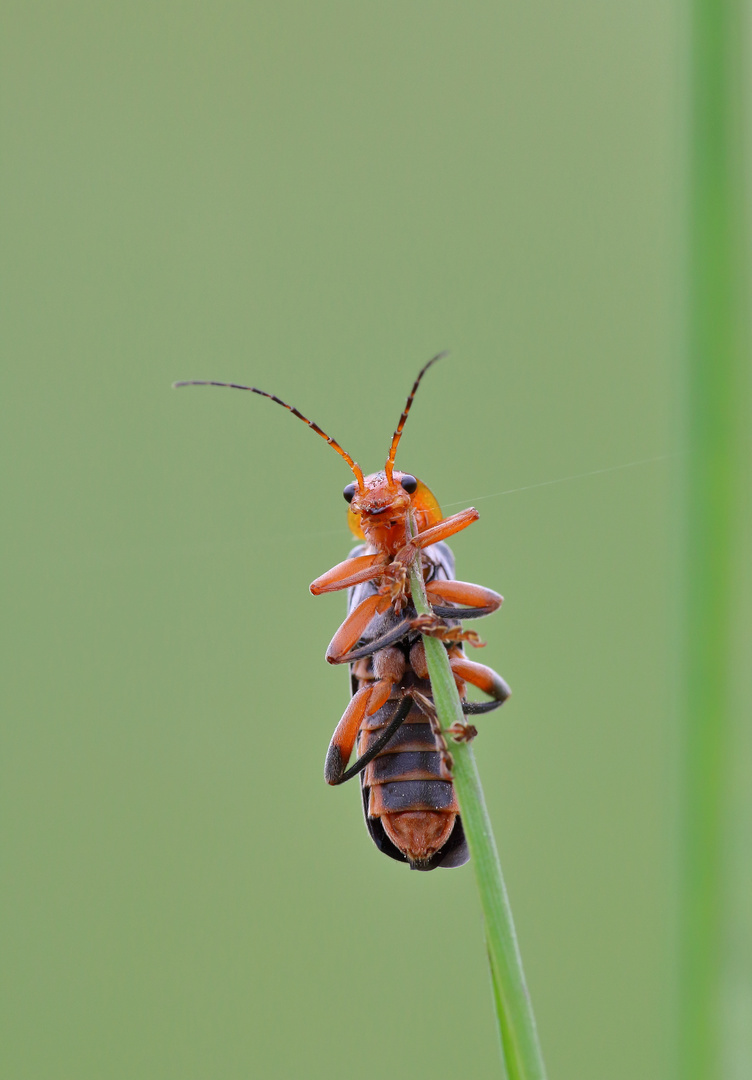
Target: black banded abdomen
[409,801]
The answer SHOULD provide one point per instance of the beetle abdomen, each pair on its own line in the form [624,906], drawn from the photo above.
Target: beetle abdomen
[409,802]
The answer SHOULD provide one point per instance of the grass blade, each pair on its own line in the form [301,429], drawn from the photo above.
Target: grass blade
[519,1037]
[712,938]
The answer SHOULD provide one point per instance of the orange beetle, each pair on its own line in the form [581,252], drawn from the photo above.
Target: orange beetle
[409,801]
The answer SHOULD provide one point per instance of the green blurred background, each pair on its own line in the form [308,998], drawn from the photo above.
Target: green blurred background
[316,198]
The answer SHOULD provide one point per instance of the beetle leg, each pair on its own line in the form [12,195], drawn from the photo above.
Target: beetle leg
[428,708]
[353,627]
[434,626]
[446,528]
[481,601]
[396,580]
[396,634]
[462,732]
[475,708]
[397,573]
[350,572]
[485,678]
[334,760]
[423,623]
[345,734]
[389,667]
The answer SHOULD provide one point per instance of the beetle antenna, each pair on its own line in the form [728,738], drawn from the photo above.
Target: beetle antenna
[290,408]
[389,467]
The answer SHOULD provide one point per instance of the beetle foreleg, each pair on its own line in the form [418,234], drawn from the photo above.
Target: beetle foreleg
[396,574]
[446,528]
[350,572]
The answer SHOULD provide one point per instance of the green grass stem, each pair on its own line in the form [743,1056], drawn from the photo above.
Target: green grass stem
[519,1038]
[717,340]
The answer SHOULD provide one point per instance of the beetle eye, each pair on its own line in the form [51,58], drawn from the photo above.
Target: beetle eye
[349,492]
[409,483]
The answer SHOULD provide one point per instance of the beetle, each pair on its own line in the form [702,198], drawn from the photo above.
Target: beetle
[402,758]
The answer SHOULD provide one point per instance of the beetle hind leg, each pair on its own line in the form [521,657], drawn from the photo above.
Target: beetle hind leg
[398,719]
[389,667]
[485,678]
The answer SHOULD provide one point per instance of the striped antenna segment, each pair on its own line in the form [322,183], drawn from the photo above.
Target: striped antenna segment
[389,467]
[290,408]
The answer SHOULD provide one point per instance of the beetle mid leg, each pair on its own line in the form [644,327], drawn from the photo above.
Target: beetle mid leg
[389,667]
[426,624]
[354,626]
[478,600]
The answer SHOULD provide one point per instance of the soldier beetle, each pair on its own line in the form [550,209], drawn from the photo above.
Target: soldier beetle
[402,758]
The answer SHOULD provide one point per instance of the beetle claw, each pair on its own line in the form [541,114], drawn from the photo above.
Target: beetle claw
[462,732]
